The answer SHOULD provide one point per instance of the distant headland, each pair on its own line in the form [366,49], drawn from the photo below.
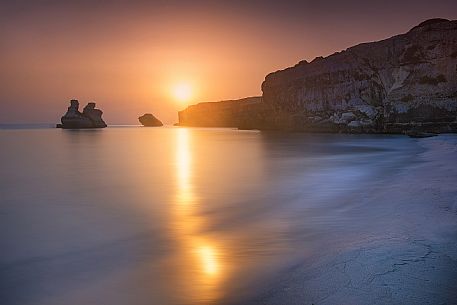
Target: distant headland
[401,84]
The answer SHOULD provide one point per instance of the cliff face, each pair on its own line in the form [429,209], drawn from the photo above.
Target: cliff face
[405,82]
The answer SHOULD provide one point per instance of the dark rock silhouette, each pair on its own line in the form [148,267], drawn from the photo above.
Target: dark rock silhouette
[149,120]
[89,118]
[415,134]
[405,82]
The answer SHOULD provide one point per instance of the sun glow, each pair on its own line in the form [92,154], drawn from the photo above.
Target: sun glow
[182,92]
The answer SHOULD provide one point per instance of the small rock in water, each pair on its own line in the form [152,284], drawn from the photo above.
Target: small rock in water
[149,120]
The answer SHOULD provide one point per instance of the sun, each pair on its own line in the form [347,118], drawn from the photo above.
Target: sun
[182,92]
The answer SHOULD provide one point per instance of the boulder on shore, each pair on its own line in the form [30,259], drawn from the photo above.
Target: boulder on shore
[149,120]
[89,118]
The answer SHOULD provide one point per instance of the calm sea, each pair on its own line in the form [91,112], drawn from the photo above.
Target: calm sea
[173,215]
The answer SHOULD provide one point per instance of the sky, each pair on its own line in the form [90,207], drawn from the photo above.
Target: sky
[135,57]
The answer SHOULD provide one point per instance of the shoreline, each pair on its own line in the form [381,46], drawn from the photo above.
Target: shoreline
[406,255]
[405,132]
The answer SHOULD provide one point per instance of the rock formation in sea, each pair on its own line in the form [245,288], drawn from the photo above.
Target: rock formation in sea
[149,120]
[406,82]
[89,118]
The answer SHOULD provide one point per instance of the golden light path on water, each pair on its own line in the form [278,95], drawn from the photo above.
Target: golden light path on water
[200,252]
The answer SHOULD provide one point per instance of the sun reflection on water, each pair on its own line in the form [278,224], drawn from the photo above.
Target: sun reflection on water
[209,260]
[183,162]
[200,252]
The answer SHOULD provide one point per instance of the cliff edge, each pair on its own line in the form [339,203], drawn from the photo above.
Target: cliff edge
[403,83]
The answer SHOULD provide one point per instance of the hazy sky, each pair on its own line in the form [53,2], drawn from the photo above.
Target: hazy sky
[128,56]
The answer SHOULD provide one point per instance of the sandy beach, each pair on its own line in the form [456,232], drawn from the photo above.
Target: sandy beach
[404,253]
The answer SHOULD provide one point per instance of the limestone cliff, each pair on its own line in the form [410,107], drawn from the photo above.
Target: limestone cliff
[406,82]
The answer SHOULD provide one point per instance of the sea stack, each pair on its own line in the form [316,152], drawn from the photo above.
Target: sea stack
[149,120]
[89,118]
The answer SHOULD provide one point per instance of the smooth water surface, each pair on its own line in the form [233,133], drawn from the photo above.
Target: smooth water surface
[173,215]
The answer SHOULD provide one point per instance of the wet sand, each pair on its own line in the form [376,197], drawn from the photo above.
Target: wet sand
[401,246]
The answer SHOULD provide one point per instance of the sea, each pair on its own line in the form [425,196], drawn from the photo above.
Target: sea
[173,215]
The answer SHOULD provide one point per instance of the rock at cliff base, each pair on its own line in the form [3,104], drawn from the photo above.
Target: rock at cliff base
[149,120]
[417,134]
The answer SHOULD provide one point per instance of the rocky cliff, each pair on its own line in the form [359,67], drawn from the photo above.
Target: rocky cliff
[89,118]
[406,82]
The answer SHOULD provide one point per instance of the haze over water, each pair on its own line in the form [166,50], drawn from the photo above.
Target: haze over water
[174,215]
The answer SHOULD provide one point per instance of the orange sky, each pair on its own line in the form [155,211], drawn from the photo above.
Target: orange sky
[128,55]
